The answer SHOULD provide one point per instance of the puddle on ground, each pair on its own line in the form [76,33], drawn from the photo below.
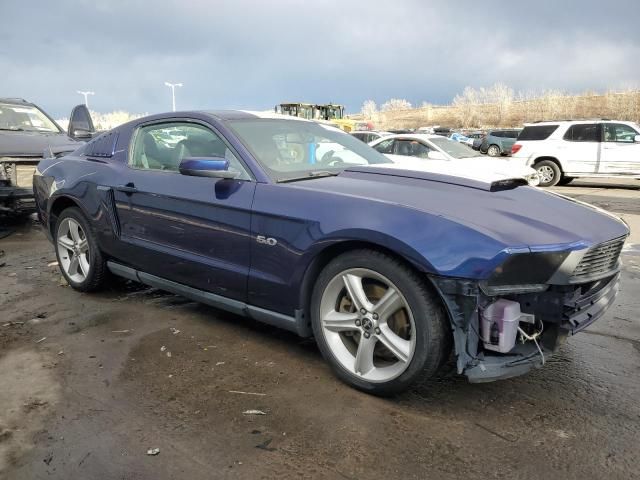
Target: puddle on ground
[28,394]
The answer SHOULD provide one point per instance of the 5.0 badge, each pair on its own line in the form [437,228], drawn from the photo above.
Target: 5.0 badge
[266,240]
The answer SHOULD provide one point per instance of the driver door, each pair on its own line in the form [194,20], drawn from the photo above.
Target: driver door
[191,230]
[620,152]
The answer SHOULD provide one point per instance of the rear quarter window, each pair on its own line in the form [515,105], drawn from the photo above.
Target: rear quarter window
[103,146]
[537,132]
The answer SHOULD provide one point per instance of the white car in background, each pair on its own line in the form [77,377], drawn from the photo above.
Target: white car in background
[439,154]
[562,151]
[368,136]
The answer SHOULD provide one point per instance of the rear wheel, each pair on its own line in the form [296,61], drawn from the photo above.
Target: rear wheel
[377,323]
[79,257]
[494,151]
[549,173]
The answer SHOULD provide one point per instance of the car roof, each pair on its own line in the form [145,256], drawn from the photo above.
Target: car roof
[14,101]
[414,136]
[371,131]
[249,114]
[587,120]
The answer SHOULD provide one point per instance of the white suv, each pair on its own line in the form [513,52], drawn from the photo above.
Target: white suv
[563,150]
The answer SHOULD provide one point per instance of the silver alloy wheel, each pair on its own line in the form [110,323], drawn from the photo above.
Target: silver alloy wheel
[73,250]
[368,325]
[493,151]
[546,174]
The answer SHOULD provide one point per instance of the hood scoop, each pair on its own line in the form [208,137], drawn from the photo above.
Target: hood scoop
[490,183]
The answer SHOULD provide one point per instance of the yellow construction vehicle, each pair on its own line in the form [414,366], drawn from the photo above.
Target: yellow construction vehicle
[302,110]
[330,112]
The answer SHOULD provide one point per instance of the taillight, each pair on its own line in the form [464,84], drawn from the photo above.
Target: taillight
[515,148]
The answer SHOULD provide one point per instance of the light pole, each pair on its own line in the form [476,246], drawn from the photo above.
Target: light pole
[86,94]
[173,93]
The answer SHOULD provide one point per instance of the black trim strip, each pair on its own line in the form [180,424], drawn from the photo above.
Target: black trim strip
[293,324]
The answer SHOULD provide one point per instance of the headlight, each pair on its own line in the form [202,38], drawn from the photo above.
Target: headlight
[523,273]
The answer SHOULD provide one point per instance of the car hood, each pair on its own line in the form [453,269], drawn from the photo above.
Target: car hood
[514,214]
[32,144]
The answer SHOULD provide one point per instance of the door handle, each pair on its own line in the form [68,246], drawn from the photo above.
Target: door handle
[129,188]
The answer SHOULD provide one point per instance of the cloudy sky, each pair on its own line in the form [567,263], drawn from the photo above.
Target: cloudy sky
[254,54]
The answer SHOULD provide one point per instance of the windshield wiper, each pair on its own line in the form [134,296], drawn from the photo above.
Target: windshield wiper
[16,129]
[310,175]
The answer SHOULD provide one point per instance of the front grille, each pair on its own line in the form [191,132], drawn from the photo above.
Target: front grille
[598,261]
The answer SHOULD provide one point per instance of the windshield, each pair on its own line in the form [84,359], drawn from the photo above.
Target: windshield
[293,148]
[453,148]
[25,117]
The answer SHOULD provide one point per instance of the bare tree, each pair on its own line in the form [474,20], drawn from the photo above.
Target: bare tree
[465,105]
[395,104]
[498,105]
[369,109]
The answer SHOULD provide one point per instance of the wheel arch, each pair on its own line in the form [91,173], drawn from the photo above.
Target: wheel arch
[60,204]
[549,158]
[323,257]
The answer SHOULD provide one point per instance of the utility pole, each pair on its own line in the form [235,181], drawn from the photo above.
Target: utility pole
[86,95]
[173,93]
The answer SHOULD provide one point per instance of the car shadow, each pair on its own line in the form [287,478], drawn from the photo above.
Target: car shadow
[608,186]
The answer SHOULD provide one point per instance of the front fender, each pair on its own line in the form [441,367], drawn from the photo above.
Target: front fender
[305,223]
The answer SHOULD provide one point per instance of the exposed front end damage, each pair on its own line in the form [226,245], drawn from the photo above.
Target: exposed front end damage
[16,185]
[577,293]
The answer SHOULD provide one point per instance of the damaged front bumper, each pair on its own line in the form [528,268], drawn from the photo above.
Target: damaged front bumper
[562,309]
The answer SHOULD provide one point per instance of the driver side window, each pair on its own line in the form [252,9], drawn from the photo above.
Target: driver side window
[164,146]
[615,132]
[385,146]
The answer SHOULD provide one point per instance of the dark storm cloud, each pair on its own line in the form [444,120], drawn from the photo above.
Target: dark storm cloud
[254,54]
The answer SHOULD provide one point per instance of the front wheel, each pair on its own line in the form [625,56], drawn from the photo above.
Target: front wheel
[549,173]
[79,257]
[377,323]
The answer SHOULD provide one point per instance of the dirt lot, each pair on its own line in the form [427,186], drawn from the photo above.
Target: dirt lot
[88,383]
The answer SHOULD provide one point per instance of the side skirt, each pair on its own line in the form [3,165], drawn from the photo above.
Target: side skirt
[293,324]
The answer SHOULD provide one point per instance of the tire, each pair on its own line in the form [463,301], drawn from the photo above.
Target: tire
[408,339]
[549,173]
[80,260]
[566,180]
[494,151]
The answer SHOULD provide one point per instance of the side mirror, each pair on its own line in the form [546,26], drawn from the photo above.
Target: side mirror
[214,167]
[80,123]
[636,139]
[436,155]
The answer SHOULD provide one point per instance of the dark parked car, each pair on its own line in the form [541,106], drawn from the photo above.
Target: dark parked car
[387,268]
[477,139]
[499,142]
[26,132]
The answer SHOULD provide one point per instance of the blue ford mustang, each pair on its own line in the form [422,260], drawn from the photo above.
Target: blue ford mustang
[299,225]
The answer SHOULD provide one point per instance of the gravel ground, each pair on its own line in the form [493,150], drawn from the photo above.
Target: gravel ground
[89,383]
